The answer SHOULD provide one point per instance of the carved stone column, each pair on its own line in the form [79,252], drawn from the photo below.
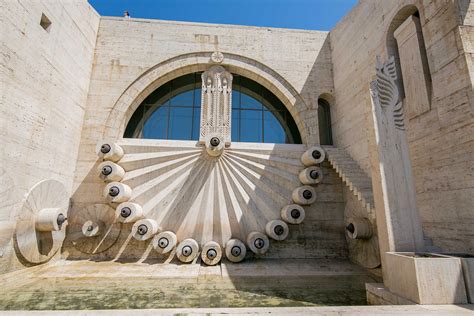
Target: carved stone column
[216,104]
[398,220]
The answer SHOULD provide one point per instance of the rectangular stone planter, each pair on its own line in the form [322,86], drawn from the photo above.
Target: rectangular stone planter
[426,278]
[467,263]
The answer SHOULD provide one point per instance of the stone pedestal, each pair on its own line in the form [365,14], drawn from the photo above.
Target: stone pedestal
[425,278]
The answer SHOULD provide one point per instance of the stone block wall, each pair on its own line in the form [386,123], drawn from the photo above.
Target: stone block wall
[45,72]
[441,140]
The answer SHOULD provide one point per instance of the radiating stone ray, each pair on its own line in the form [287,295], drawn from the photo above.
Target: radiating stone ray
[270,187]
[264,201]
[140,176]
[281,176]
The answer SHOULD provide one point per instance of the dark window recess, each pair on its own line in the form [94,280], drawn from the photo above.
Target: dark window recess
[45,23]
[324,120]
[173,111]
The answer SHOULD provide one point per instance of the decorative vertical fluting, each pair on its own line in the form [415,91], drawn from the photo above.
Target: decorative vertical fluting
[216,104]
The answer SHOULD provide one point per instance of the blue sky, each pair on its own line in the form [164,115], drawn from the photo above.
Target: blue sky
[300,14]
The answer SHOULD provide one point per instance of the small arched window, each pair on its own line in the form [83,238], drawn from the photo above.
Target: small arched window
[173,112]
[324,122]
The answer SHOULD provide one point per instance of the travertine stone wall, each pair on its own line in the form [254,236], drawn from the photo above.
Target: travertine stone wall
[127,49]
[44,83]
[441,141]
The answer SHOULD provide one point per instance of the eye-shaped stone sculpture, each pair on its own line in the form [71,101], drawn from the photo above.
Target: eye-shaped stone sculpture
[277,229]
[164,242]
[109,151]
[145,229]
[311,175]
[116,192]
[304,195]
[313,156]
[187,250]
[235,250]
[128,212]
[258,243]
[109,171]
[211,253]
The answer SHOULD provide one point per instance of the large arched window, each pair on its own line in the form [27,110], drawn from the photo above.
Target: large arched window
[173,112]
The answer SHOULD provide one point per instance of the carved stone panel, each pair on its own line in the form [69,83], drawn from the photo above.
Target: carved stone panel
[216,104]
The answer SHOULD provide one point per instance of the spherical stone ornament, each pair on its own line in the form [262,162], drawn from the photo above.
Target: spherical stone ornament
[128,212]
[211,253]
[164,242]
[116,192]
[109,171]
[108,150]
[187,250]
[217,57]
[258,243]
[235,250]
[304,195]
[277,229]
[313,156]
[293,214]
[34,246]
[311,175]
[145,229]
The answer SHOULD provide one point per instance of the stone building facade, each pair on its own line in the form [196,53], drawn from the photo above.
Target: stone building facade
[72,82]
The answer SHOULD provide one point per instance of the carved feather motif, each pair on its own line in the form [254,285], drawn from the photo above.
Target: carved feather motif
[385,90]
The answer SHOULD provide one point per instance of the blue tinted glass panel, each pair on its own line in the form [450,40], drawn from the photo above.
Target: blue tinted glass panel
[183,99]
[197,98]
[247,102]
[180,123]
[250,126]
[235,99]
[273,132]
[235,126]
[157,124]
[196,123]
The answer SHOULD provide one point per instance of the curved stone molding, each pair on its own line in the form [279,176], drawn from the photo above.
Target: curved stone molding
[93,229]
[293,214]
[41,225]
[235,250]
[164,242]
[258,243]
[187,250]
[211,253]
[158,75]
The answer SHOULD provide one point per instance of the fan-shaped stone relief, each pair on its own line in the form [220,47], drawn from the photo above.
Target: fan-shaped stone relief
[181,193]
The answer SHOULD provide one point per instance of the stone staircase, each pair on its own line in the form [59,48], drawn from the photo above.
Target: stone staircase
[352,175]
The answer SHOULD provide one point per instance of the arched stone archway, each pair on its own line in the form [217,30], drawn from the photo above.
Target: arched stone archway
[172,68]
